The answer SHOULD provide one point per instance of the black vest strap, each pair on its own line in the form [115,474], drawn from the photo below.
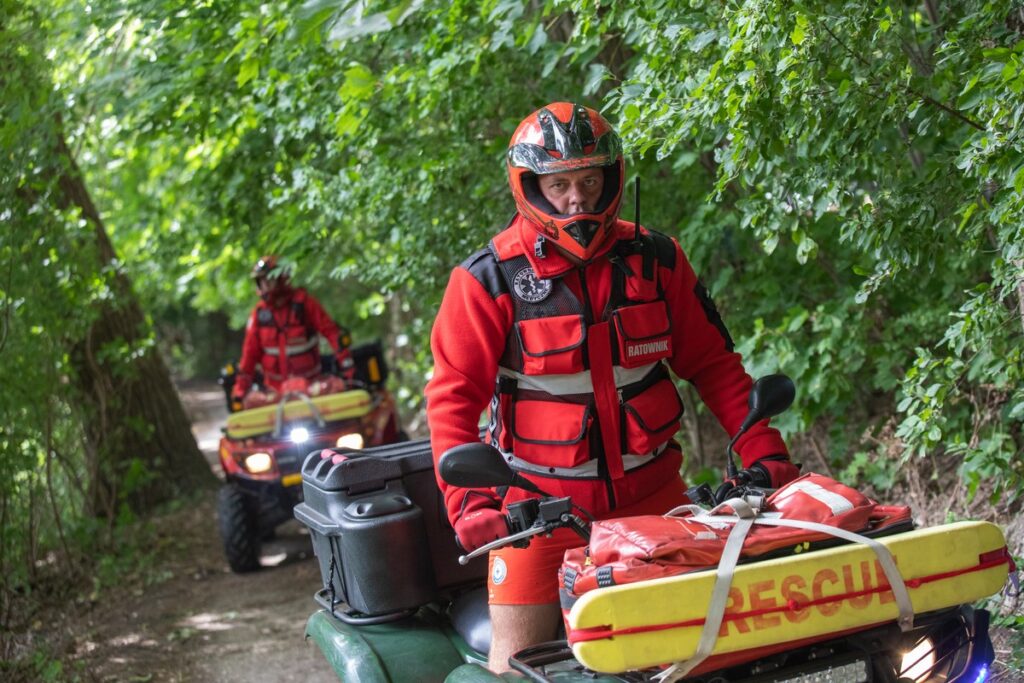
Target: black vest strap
[653,248]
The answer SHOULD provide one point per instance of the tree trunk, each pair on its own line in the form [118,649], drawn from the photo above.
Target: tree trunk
[136,424]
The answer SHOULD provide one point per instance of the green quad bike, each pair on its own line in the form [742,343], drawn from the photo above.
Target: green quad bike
[399,605]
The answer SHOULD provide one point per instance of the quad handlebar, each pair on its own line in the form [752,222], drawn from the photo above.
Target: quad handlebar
[532,517]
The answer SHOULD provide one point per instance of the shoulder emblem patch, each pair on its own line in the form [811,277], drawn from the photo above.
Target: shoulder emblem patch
[529,287]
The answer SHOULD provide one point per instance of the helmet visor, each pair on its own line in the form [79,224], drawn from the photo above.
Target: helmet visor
[541,161]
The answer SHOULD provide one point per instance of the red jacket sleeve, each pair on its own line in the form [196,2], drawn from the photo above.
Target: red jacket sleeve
[704,357]
[320,321]
[251,354]
[467,340]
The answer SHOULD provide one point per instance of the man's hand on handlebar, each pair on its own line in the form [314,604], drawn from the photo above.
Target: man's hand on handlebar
[770,472]
[481,522]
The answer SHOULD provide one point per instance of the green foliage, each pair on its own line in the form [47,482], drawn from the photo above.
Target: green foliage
[848,177]
[874,153]
[47,281]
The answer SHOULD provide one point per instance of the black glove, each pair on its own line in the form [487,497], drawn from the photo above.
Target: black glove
[755,475]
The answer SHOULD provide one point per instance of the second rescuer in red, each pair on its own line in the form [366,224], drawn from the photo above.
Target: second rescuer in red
[282,338]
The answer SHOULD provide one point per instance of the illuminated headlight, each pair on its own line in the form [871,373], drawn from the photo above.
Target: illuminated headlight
[258,463]
[853,672]
[353,441]
[919,662]
[299,435]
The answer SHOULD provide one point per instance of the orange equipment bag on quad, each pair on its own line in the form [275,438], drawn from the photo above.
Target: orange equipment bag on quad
[631,549]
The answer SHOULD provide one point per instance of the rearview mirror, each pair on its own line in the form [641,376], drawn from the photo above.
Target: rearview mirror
[475,465]
[771,395]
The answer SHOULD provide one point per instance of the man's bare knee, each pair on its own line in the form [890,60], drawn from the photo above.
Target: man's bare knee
[514,627]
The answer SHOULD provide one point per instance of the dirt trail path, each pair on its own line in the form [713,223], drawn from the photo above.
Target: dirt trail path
[204,623]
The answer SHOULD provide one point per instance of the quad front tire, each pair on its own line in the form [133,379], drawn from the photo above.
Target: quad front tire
[238,529]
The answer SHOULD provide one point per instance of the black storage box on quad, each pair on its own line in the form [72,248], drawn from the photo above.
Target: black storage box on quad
[379,529]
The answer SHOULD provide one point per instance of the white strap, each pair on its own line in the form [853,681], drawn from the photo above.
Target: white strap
[835,502]
[743,522]
[885,558]
[292,395]
[745,517]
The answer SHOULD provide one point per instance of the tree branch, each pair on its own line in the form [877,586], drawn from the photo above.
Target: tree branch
[692,420]
[909,89]
[5,322]
[820,453]
[933,16]
[48,443]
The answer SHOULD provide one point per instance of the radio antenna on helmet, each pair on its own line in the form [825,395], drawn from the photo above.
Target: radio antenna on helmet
[636,196]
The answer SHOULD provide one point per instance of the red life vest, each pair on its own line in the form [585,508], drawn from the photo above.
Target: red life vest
[545,415]
[291,349]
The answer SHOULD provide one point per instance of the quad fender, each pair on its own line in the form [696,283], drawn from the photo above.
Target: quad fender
[413,650]
[476,673]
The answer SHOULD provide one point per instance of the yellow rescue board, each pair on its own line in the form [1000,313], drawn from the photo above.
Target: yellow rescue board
[340,406]
[804,578]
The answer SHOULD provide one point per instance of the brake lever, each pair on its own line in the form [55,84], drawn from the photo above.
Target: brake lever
[542,515]
[502,542]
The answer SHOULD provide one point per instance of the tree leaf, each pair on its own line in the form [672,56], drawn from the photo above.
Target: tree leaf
[249,69]
[799,31]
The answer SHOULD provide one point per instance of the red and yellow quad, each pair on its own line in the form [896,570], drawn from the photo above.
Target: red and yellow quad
[262,449]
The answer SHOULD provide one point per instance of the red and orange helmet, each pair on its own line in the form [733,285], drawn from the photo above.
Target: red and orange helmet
[266,269]
[558,138]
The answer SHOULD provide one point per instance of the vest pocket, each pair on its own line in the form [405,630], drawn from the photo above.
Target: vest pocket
[552,346]
[644,333]
[652,417]
[551,433]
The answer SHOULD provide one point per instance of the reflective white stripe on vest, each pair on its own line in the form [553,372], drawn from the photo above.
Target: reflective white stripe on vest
[587,470]
[577,383]
[835,502]
[293,350]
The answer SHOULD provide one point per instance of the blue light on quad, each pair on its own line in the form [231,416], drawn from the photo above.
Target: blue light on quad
[982,674]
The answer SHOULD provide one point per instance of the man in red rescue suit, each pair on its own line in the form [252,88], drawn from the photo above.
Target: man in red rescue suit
[283,338]
[567,325]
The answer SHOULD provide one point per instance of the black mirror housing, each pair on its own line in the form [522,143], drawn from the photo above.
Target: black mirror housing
[771,395]
[475,465]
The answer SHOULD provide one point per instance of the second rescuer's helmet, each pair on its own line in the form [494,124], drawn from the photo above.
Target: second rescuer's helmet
[266,269]
[558,138]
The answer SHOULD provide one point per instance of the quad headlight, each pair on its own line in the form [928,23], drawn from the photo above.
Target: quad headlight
[257,463]
[299,435]
[919,662]
[354,441]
